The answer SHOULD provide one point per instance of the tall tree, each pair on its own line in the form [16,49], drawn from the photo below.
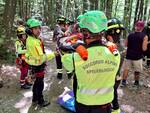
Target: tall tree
[58,7]
[20,5]
[140,13]
[130,11]
[8,16]
[85,5]
[77,8]
[102,5]
[127,13]
[52,13]
[116,4]
[136,11]
[145,9]
[93,4]
[148,15]
[108,8]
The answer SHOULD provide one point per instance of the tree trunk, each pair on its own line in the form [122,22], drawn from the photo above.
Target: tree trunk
[127,13]
[76,8]
[149,15]
[136,11]
[58,7]
[52,13]
[130,13]
[85,5]
[20,3]
[116,8]
[102,5]
[92,7]
[93,4]
[8,16]
[127,16]
[26,8]
[145,9]
[109,8]
[96,2]
[140,15]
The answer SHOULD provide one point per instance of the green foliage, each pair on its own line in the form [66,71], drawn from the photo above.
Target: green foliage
[1,41]
[6,55]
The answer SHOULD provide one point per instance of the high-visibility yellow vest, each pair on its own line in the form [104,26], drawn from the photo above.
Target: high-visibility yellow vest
[96,76]
[20,49]
[35,54]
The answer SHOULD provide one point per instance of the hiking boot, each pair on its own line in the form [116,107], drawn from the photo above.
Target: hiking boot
[69,75]
[116,111]
[34,102]
[44,104]
[136,84]
[123,83]
[59,76]
[25,86]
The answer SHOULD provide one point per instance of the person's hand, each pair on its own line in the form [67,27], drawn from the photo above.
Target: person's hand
[113,48]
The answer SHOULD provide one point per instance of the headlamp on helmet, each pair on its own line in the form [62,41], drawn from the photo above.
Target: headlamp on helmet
[61,19]
[114,23]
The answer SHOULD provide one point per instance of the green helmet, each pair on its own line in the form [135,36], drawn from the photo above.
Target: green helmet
[79,18]
[33,23]
[94,21]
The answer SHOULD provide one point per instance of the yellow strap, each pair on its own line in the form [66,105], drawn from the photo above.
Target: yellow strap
[115,26]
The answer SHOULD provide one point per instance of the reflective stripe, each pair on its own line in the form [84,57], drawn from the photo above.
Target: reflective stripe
[115,26]
[59,70]
[68,72]
[96,91]
[37,51]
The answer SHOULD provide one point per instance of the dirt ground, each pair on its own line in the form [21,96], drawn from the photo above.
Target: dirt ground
[15,100]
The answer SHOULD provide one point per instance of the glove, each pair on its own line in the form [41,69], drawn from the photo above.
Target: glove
[113,48]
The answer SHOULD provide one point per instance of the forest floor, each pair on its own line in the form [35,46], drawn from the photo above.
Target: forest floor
[15,100]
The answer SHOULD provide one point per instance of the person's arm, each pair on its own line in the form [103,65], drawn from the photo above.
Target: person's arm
[145,42]
[42,56]
[19,49]
[126,42]
[67,61]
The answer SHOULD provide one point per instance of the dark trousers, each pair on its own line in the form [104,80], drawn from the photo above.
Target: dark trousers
[38,90]
[115,104]
[38,85]
[80,108]
[58,62]
[74,85]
